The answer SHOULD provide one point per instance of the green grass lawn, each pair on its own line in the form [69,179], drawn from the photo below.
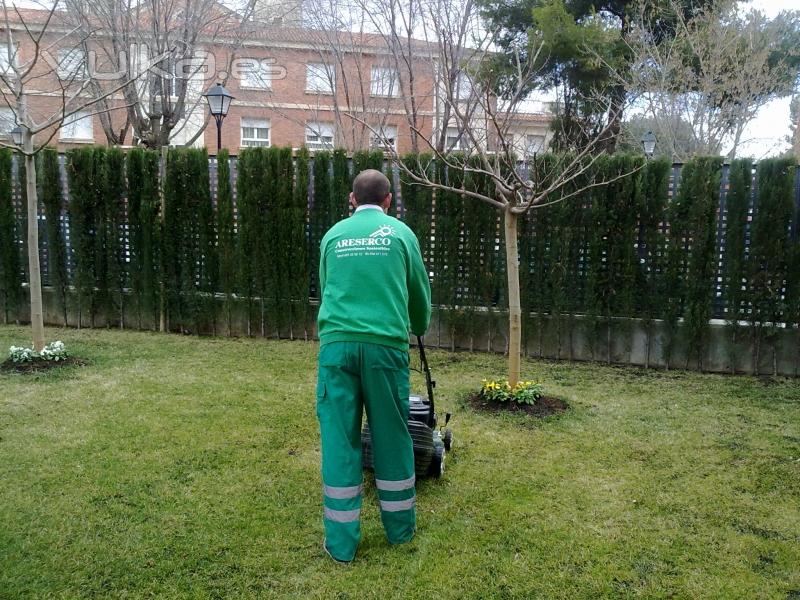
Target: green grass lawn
[176,467]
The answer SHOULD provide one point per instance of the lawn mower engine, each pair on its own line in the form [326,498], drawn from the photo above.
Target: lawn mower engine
[430,444]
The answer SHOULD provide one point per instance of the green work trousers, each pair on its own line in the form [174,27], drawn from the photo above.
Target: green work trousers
[353,375]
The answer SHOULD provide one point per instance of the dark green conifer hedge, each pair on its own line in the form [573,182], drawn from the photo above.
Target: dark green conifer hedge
[10,255]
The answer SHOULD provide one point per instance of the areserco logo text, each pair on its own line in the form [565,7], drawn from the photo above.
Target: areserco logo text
[354,242]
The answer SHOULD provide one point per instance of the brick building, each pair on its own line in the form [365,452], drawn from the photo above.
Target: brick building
[292,86]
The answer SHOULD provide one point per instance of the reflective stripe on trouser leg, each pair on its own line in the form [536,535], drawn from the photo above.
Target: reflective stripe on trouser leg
[385,389]
[339,408]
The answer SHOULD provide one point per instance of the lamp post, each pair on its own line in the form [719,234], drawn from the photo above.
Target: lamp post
[649,144]
[16,136]
[219,101]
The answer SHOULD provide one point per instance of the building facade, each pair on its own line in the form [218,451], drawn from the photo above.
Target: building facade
[292,86]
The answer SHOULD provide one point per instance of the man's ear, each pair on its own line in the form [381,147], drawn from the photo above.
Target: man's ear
[387,202]
[353,202]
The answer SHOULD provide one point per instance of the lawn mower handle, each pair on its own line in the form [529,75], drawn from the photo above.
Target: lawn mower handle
[429,383]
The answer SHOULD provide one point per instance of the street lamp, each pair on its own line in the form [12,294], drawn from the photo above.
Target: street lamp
[219,101]
[16,135]
[649,143]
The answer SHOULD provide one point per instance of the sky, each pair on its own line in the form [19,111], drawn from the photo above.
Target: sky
[767,133]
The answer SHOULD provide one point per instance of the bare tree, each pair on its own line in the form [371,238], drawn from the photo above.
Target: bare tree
[720,68]
[379,71]
[45,91]
[163,42]
[482,105]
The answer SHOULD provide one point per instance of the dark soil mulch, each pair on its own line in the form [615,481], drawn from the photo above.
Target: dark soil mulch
[544,407]
[38,365]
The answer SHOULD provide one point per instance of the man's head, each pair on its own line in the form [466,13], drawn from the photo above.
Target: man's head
[371,187]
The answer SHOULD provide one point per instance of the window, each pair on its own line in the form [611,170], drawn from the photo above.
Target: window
[5,63]
[463,87]
[254,73]
[320,78]
[385,82]
[255,132]
[534,143]
[319,136]
[386,137]
[77,127]
[8,121]
[71,63]
[454,140]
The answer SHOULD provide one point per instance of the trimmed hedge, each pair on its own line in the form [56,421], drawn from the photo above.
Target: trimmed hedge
[587,264]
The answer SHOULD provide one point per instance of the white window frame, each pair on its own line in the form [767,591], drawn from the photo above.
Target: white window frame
[315,135]
[255,140]
[384,82]
[69,128]
[320,78]
[385,132]
[72,64]
[255,73]
[452,133]
[5,66]
[8,120]
[463,87]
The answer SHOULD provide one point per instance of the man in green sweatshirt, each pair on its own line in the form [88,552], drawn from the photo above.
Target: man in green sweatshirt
[374,288]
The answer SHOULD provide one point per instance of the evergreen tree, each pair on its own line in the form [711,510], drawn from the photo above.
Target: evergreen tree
[10,261]
[321,218]
[134,167]
[248,230]
[691,264]
[151,237]
[207,266]
[297,242]
[51,197]
[652,248]
[113,197]
[447,272]
[83,218]
[226,234]
[341,186]
[740,176]
[769,253]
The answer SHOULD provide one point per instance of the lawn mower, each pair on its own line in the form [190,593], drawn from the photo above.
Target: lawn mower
[430,444]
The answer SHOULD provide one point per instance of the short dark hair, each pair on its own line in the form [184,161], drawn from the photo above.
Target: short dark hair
[370,187]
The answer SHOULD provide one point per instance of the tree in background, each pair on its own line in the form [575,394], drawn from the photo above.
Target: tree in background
[584,56]
[22,78]
[482,125]
[676,140]
[715,73]
[161,42]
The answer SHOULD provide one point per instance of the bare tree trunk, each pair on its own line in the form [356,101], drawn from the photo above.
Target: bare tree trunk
[514,308]
[37,316]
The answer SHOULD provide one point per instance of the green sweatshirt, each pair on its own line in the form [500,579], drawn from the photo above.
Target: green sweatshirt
[373,283]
